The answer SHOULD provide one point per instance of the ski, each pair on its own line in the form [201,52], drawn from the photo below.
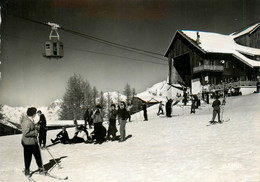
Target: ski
[29,177]
[210,124]
[53,176]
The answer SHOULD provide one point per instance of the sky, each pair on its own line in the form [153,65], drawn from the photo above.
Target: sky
[30,79]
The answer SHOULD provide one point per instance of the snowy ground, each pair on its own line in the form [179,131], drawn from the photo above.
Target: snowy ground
[179,149]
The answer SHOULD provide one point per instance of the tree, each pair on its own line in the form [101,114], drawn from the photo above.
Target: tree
[95,95]
[127,92]
[73,99]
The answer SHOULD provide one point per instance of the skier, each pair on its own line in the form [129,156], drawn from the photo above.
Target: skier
[112,123]
[160,111]
[42,129]
[99,129]
[62,136]
[144,107]
[216,110]
[122,117]
[29,141]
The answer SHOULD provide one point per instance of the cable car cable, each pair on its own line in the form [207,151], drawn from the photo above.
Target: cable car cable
[96,39]
[84,50]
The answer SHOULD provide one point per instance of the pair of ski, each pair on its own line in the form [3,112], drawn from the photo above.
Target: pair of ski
[210,123]
[29,177]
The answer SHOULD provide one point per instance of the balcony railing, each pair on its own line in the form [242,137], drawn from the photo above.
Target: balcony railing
[208,68]
[232,85]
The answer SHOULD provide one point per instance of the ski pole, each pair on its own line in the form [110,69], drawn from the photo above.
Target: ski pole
[53,158]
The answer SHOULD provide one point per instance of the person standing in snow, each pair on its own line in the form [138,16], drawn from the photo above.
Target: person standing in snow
[87,118]
[144,107]
[193,105]
[122,117]
[112,123]
[99,129]
[216,110]
[29,141]
[42,130]
[168,107]
[160,111]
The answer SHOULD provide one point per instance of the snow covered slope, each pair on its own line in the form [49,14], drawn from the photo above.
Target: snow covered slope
[179,149]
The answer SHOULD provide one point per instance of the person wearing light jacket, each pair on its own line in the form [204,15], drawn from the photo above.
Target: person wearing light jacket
[29,140]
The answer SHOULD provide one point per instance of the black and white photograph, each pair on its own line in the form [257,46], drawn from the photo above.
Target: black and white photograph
[130,90]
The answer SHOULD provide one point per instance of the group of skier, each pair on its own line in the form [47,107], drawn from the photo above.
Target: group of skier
[100,133]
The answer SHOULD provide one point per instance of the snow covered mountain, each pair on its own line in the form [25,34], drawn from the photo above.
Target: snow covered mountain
[158,91]
[12,114]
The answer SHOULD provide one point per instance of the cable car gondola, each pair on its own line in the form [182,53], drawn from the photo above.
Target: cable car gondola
[53,48]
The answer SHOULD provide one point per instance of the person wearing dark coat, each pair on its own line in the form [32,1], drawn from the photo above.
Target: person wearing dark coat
[62,136]
[144,107]
[42,130]
[87,118]
[29,141]
[112,123]
[216,109]
[99,129]
[193,106]
[122,117]
[168,107]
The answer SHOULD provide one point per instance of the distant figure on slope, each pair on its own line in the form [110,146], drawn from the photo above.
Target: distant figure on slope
[193,105]
[112,123]
[168,107]
[29,141]
[185,97]
[99,129]
[160,111]
[42,129]
[122,117]
[144,107]
[62,136]
[216,110]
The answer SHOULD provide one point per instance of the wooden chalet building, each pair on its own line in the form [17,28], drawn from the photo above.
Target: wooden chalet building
[205,59]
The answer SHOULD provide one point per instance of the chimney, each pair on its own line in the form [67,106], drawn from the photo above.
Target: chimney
[198,38]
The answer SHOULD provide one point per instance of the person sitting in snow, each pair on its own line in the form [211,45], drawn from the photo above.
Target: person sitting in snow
[216,110]
[62,136]
[81,135]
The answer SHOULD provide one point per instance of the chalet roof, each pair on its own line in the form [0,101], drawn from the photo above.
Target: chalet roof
[219,43]
[248,30]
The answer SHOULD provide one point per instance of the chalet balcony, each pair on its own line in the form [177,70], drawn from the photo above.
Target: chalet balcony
[208,68]
[237,84]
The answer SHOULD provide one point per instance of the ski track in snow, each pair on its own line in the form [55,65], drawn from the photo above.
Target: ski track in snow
[178,149]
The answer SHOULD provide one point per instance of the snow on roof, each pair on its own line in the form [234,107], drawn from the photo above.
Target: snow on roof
[219,43]
[249,30]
